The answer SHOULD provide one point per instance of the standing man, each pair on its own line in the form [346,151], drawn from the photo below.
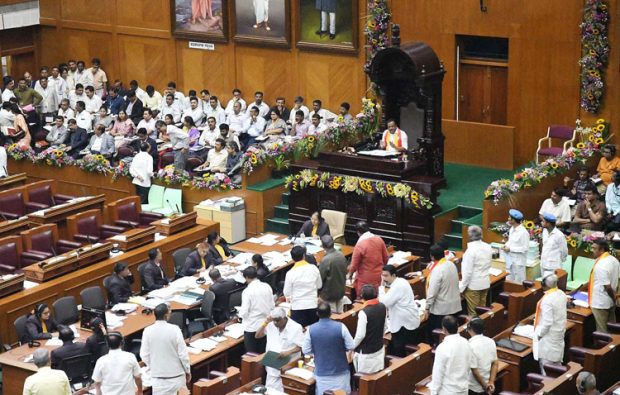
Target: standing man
[141,169]
[397,296]
[475,269]
[484,368]
[164,351]
[46,381]
[118,371]
[153,274]
[256,304]
[369,354]
[261,10]
[550,324]
[369,257]
[442,289]
[327,7]
[394,139]
[603,285]
[99,77]
[453,361]
[301,287]
[285,337]
[517,245]
[329,341]
[119,285]
[554,248]
[333,269]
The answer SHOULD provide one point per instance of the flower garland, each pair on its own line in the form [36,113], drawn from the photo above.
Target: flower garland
[335,136]
[53,157]
[530,176]
[376,30]
[350,184]
[594,54]
[95,164]
[20,152]
[170,175]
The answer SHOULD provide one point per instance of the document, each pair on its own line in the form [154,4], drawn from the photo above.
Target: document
[272,359]
[204,344]
[301,373]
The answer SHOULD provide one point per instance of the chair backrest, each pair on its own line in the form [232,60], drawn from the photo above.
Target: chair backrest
[192,163]
[125,151]
[206,308]
[106,285]
[561,132]
[234,297]
[42,238]
[336,220]
[583,267]
[41,192]
[178,257]
[66,311]
[177,317]
[156,196]
[92,297]
[141,273]
[173,198]
[86,223]
[567,266]
[78,368]
[12,202]
[10,254]
[20,327]
[126,209]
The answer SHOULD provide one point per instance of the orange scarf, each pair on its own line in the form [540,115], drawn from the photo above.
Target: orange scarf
[591,281]
[396,136]
[430,270]
[539,303]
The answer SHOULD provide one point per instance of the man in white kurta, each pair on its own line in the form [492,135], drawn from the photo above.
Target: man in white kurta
[371,322]
[475,269]
[483,374]
[550,324]
[256,304]
[603,285]
[558,206]
[517,245]
[554,248]
[284,337]
[453,362]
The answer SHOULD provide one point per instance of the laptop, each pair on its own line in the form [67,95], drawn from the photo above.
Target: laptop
[87,314]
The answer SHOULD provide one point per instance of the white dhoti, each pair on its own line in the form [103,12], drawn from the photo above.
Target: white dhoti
[274,381]
[168,386]
[332,22]
[261,9]
[369,363]
[335,382]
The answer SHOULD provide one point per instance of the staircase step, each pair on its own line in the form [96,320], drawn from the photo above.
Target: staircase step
[281,211]
[468,212]
[285,196]
[277,225]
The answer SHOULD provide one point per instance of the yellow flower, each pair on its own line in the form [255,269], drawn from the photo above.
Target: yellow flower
[595,31]
[554,165]
[599,121]
[592,73]
[581,145]
[590,96]
[311,139]
[591,138]
[600,127]
[573,243]
[49,162]
[100,157]
[528,224]
[58,153]
[254,159]
[389,189]
[599,140]
[366,185]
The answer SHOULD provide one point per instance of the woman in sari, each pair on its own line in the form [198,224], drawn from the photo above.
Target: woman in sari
[123,127]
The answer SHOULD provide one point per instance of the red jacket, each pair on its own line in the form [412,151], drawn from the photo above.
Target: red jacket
[369,257]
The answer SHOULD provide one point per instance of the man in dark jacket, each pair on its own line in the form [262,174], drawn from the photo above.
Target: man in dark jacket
[153,276]
[221,287]
[196,261]
[119,285]
[134,107]
[333,270]
[143,137]
[68,349]
[78,139]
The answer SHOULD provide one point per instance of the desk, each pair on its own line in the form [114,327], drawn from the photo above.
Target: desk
[13,180]
[421,388]
[175,223]
[14,226]
[584,323]
[521,363]
[133,238]
[58,214]
[17,304]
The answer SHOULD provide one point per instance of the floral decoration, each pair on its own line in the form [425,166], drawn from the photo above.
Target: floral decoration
[337,135]
[20,152]
[95,164]
[594,54]
[214,182]
[593,138]
[171,175]
[377,29]
[54,157]
[350,184]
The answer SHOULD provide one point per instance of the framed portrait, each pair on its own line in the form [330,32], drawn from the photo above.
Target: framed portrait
[262,22]
[200,19]
[328,25]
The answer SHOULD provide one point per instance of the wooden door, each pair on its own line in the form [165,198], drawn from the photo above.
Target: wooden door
[21,63]
[483,92]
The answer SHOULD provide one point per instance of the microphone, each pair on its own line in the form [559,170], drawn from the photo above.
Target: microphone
[6,171]
[178,209]
[54,251]
[170,206]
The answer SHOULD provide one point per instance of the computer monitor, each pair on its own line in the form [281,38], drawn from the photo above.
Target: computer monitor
[88,314]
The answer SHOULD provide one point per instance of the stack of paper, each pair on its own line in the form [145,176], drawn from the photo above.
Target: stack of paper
[241,259]
[152,303]
[53,342]
[524,331]
[204,344]
[234,331]
[274,259]
[301,373]
[136,300]
[313,249]
[126,307]
[183,300]
[113,321]
[495,272]
[163,293]
[183,283]
[219,339]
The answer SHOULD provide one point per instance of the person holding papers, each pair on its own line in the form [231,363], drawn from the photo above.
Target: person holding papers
[550,324]
[196,261]
[284,337]
[218,249]
[314,227]
[256,304]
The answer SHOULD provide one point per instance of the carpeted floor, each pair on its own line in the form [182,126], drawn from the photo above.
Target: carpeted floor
[466,185]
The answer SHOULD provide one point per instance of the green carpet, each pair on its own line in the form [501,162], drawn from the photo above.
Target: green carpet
[466,185]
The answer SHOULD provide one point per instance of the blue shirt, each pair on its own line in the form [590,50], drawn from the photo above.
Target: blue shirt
[114,104]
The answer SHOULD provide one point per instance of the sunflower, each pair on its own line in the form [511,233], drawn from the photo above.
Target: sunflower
[554,165]
[58,153]
[528,224]
[592,73]
[600,127]
[253,159]
[591,138]
[49,162]
[389,189]
[595,31]
[311,139]
[366,185]
[600,121]
[572,243]
[599,141]
[590,96]
[100,157]
[581,145]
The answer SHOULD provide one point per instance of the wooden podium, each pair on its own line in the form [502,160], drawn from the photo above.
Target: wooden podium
[58,214]
[11,283]
[133,238]
[175,223]
[67,262]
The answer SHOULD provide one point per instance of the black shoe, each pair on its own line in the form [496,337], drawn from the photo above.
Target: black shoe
[320,32]
[332,36]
